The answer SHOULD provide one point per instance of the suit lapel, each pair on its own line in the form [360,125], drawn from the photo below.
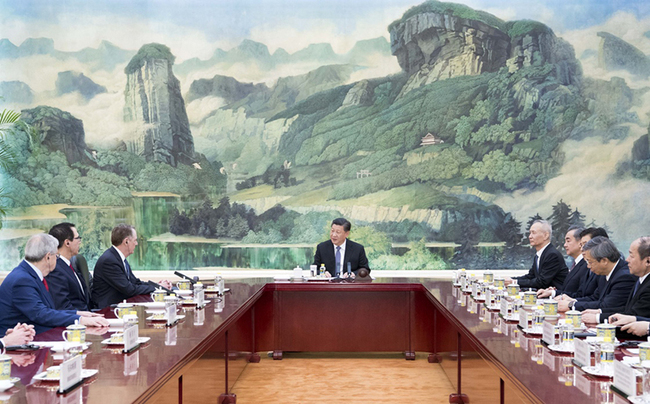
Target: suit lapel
[611,280]
[41,286]
[633,298]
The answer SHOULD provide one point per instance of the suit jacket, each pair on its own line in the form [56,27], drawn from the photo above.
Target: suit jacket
[552,271]
[80,265]
[588,285]
[111,284]
[355,254]
[67,292]
[610,296]
[575,278]
[638,304]
[24,299]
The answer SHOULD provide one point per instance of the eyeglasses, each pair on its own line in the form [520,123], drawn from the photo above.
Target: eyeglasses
[77,238]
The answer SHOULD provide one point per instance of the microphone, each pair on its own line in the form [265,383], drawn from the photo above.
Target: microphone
[157,285]
[180,275]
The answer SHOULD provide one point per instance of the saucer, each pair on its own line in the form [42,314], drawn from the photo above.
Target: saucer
[141,340]
[85,373]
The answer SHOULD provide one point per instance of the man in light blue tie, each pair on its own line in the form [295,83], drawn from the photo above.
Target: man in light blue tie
[339,252]
[113,279]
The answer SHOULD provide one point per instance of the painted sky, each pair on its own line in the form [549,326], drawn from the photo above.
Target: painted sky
[195,28]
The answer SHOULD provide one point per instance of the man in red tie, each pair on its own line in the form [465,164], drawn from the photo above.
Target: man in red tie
[67,287]
[24,295]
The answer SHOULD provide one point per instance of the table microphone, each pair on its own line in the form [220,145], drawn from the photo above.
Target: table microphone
[159,286]
[180,275]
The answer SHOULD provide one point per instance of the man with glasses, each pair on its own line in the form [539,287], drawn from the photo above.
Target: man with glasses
[24,294]
[67,287]
[113,280]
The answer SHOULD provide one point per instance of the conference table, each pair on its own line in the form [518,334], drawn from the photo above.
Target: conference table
[200,358]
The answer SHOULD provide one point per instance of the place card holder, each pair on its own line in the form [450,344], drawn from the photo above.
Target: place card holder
[548,333]
[130,337]
[503,309]
[199,298]
[523,319]
[624,379]
[170,310]
[581,354]
[70,376]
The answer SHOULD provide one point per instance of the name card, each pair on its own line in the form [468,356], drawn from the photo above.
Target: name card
[70,373]
[504,327]
[523,318]
[625,378]
[130,337]
[504,307]
[548,333]
[171,314]
[199,298]
[582,354]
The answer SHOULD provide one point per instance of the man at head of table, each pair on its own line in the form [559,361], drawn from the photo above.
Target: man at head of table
[24,295]
[113,280]
[548,268]
[338,251]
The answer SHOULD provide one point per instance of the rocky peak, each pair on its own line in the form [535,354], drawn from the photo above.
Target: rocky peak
[60,131]
[155,107]
[617,54]
[436,44]
[535,44]
[435,41]
[225,87]
[37,46]
[70,81]
[360,94]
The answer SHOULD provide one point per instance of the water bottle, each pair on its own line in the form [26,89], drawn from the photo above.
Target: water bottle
[566,336]
[219,283]
[607,358]
[538,318]
[322,270]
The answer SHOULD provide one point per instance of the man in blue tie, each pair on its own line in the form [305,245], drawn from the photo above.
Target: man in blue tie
[337,252]
[638,301]
[614,285]
[25,296]
[113,280]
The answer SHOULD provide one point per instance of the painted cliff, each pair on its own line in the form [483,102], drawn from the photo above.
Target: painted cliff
[155,107]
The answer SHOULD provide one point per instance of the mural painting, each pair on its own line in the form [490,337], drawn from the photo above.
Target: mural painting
[232,133]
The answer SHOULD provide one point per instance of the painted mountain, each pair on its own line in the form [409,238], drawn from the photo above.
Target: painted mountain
[451,136]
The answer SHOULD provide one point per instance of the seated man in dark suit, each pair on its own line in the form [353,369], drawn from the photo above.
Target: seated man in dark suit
[24,297]
[614,286]
[113,280]
[338,251]
[638,301]
[578,271]
[67,287]
[549,268]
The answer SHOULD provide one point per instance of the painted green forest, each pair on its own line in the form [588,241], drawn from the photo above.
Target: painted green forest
[441,141]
